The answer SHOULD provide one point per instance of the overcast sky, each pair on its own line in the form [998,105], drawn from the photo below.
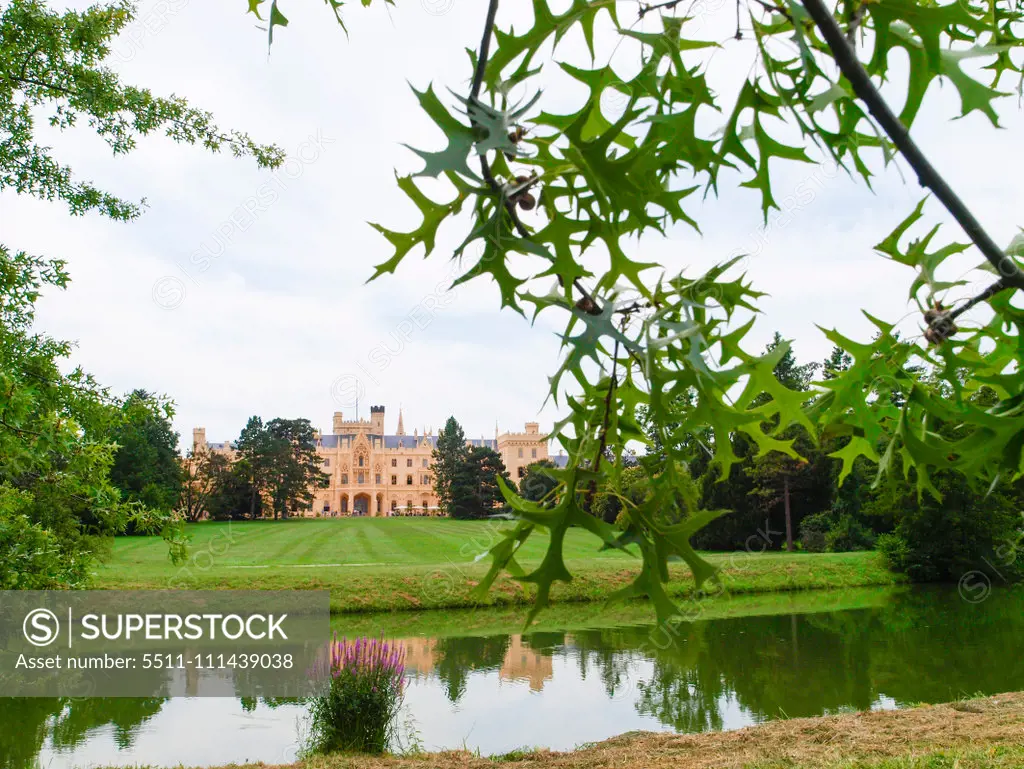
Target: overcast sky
[233,313]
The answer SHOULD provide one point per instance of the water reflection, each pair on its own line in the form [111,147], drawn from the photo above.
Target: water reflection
[558,689]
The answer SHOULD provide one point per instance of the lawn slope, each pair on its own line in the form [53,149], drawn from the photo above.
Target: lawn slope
[373,564]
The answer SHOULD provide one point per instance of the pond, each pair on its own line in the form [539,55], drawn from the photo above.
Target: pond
[583,674]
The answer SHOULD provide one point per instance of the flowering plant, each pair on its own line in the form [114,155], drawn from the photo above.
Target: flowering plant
[365,690]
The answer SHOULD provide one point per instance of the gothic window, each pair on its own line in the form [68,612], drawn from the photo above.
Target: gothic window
[360,460]
[394,505]
[408,480]
[425,462]
[520,453]
[408,463]
[394,463]
[344,477]
[394,480]
[327,462]
[376,479]
[533,453]
[361,478]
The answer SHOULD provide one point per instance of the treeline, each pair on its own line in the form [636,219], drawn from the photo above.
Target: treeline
[922,536]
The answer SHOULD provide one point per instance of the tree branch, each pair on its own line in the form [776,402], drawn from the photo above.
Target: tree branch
[927,176]
[587,303]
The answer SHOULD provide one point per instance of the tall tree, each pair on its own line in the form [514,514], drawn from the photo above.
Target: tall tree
[789,373]
[278,461]
[147,467]
[450,480]
[485,467]
[537,483]
[232,496]
[253,461]
[836,363]
[204,475]
[775,475]
[55,445]
[294,466]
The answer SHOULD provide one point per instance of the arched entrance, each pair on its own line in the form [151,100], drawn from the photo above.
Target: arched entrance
[361,504]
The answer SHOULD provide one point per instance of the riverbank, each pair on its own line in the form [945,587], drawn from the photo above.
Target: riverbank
[401,564]
[984,733]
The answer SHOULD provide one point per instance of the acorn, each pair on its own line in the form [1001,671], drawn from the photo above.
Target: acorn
[527,201]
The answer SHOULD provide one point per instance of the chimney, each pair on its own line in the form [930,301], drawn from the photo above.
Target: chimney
[338,421]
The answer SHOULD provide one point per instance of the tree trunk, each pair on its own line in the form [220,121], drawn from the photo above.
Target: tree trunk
[789,518]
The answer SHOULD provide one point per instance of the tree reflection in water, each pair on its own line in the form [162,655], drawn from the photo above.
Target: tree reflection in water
[924,645]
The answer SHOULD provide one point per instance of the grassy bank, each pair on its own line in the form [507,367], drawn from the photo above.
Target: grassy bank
[390,564]
[983,733]
[569,617]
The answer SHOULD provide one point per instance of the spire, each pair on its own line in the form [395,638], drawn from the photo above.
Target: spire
[401,427]
[495,433]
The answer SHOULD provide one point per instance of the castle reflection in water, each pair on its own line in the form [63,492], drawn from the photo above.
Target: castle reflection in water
[520,662]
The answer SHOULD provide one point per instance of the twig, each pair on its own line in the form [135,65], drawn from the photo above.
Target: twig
[988,293]
[645,9]
[603,443]
[927,176]
[855,19]
[587,303]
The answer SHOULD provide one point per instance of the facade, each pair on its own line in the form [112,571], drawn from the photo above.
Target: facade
[377,474]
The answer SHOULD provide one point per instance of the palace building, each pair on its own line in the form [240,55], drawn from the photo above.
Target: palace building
[377,474]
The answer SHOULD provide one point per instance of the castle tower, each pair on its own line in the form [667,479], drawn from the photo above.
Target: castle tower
[338,422]
[377,420]
[198,439]
[401,427]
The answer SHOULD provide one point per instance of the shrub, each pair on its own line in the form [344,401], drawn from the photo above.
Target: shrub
[813,529]
[967,530]
[366,687]
[846,534]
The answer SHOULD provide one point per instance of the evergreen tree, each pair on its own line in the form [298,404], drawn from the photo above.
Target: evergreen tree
[450,480]
[790,373]
[253,453]
[536,483]
[837,362]
[485,466]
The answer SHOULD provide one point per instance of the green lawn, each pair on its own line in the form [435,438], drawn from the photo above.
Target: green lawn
[404,563]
